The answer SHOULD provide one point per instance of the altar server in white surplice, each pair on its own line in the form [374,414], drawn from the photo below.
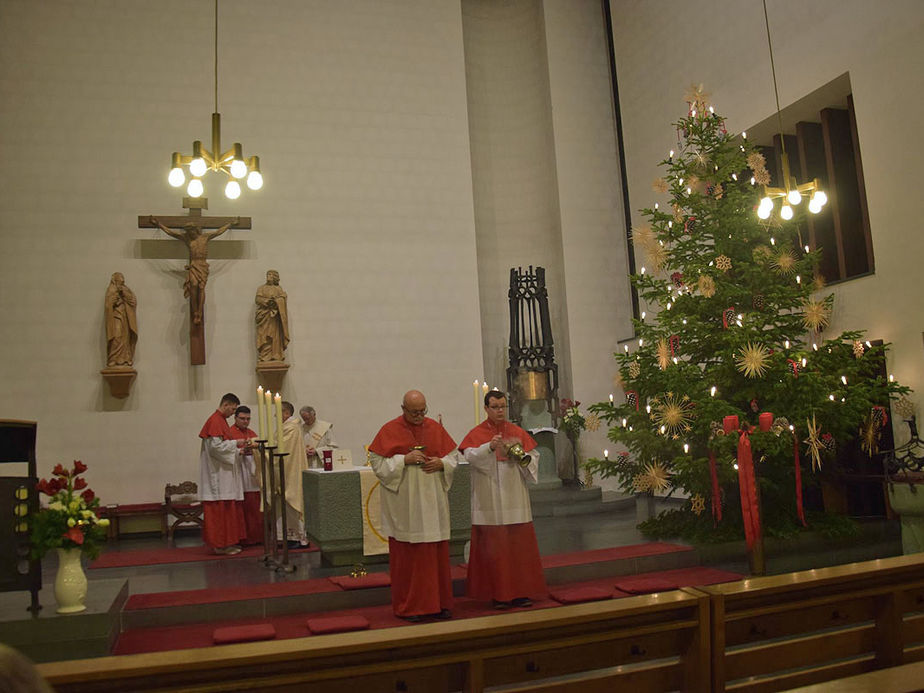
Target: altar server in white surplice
[414,459]
[318,435]
[504,562]
[250,477]
[220,486]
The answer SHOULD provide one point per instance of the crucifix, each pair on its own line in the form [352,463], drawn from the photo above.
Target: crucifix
[191,232]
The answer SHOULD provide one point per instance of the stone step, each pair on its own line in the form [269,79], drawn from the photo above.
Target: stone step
[592,508]
[566,495]
[568,501]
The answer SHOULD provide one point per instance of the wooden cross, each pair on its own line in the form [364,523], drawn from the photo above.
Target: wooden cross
[197,271]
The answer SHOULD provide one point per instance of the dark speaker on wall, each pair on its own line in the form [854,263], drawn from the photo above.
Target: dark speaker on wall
[18,501]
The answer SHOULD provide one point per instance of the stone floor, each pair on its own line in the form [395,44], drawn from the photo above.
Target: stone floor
[612,525]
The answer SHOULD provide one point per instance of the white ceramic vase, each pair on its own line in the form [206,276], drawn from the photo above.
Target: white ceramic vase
[70,582]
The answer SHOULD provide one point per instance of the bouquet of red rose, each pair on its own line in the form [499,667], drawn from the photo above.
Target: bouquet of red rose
[572,420]
[70,518]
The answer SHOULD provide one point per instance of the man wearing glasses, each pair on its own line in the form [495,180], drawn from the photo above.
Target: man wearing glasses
[414,458]
[504,562]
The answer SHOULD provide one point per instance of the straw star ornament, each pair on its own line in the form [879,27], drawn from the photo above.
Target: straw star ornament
[815,315]
[814,443]
[753,360]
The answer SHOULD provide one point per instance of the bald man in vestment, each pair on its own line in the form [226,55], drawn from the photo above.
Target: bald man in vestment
[414,459]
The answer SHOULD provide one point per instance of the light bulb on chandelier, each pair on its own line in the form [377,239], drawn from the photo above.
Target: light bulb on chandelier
[195,188]
[233,190]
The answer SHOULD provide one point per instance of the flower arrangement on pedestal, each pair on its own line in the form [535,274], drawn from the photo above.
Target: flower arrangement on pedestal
[70,520]
[572,423]
[70,524]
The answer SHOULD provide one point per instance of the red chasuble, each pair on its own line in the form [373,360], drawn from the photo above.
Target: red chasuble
[216,427]
[398,437]
[253,516]
[486,430]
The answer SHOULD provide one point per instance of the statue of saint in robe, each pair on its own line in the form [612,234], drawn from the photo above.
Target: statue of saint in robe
[272,320]
[121,323]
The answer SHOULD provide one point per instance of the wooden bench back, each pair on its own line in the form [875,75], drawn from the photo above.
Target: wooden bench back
[780,632]
[758,634]
[655,642]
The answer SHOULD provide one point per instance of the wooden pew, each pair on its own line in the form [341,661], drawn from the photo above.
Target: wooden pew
[902,679]
[780,632]
[652,643]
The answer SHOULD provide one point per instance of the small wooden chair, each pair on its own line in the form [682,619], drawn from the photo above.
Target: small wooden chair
[181,501]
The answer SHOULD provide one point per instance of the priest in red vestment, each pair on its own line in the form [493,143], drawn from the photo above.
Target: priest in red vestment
[414,459]
[250,477]
[220,488]
[504,563]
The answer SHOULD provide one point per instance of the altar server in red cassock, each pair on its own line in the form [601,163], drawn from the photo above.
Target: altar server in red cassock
[220,488]
[250,478]
[504,562]
[414,459]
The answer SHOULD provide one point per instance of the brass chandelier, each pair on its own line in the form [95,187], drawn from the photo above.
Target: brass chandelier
[791,192]
[231,162]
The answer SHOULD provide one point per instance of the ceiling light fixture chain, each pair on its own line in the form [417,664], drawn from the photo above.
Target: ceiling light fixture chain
[231,162]
[791,191]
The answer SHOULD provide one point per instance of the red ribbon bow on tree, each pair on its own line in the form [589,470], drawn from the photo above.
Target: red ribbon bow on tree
[747,480]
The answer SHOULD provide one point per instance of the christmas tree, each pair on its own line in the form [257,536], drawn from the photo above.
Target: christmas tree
[733,391]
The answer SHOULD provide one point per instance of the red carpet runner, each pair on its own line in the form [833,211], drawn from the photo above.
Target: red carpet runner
[295,626]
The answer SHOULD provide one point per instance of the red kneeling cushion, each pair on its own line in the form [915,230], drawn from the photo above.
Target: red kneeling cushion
[358,583]
[646,585]
[576,595]
[257,631]
[337,624]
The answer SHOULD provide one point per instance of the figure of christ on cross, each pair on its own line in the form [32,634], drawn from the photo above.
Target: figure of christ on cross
[198,268]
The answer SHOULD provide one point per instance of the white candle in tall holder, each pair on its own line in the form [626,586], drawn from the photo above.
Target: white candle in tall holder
[477,409]
[484,391]
[267,398]
[278,401]
[261,413]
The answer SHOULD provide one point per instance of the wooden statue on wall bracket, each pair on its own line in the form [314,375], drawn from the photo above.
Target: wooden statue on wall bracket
[197,271]
[121,336]
[272,327]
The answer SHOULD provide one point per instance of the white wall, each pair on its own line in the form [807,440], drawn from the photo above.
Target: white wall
[517,219]
[358,113]
[590,199]
[663,47]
